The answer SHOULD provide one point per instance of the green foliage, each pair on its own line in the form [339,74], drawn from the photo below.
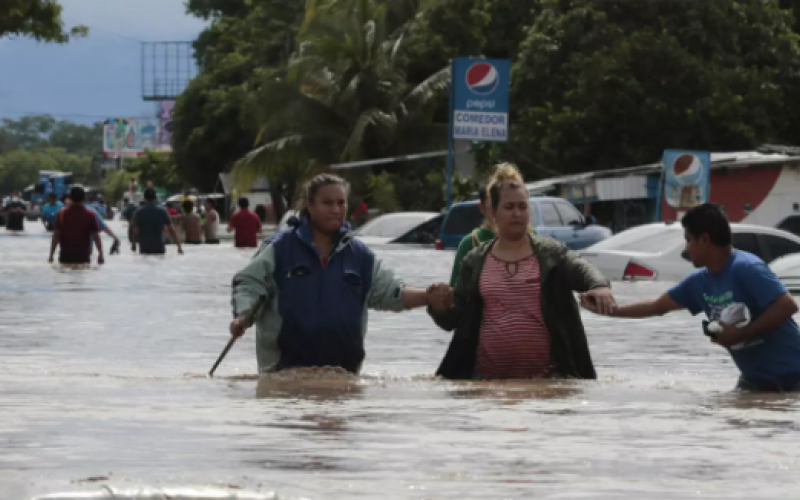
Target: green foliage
[245,43]
[158,168]
[35,143]
[381,192]
[611,84]
[344,98]
[20,168]
[40,19]
[595,85]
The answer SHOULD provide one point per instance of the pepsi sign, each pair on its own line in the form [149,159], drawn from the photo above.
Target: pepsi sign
[479,99]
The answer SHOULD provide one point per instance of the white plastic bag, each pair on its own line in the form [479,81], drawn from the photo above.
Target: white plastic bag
[737,315]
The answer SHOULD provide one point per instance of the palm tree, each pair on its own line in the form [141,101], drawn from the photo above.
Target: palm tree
[343,97]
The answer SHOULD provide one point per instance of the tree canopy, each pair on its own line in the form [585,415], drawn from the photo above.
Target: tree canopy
[35,143]
[40,19]
[293,88]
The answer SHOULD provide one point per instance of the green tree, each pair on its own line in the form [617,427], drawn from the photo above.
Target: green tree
[20,168]
[40,19]
[613,83]
[245,42]
[345,98]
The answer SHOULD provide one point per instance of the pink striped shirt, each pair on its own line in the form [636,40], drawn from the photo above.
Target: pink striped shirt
[514,341]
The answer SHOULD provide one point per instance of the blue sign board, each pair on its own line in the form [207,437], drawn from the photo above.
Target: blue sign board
[479,99]
[687,178]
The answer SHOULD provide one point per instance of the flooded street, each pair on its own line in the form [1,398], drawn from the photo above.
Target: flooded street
[102,375]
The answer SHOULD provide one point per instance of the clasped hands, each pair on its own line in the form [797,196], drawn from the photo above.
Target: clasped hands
[439,296]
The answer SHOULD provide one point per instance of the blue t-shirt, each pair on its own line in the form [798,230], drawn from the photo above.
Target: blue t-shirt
[773,357]
[151,221]
[50,210]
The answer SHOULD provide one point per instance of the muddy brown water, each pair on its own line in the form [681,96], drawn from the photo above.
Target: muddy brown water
[102,382]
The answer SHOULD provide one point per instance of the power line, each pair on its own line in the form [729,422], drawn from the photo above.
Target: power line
[12,113]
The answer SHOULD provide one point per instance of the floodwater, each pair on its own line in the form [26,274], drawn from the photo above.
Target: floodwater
[102,383]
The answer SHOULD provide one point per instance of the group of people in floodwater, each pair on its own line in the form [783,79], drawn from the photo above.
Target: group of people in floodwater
[76,227]
[510,302]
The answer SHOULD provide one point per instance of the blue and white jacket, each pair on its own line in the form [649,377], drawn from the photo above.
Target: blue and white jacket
[314,315]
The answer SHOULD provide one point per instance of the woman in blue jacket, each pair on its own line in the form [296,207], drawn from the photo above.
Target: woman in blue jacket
[319,281]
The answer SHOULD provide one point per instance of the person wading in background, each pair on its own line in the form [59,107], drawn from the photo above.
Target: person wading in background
[76,227]
[148,227]
[246,224]
[50,211]
[191,224]
[211,224]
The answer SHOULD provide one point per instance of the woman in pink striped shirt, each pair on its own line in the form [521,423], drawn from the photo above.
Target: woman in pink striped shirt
[514,310]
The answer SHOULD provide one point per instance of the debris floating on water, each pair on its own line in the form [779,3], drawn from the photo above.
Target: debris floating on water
[107,493]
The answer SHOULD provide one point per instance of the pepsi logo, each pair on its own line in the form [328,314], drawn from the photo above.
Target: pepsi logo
[482,78]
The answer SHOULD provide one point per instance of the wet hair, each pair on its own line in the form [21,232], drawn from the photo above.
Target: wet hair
[149,194]
[77,194]
[506,176]
[188,206]
[312,187]
[708,219]
[243,203]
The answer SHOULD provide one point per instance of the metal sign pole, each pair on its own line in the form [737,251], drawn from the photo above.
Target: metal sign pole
[450,160]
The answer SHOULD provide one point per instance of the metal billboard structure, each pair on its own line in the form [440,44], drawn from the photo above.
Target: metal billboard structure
[167,68]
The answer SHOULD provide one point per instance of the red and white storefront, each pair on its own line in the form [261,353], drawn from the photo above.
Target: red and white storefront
[760,190]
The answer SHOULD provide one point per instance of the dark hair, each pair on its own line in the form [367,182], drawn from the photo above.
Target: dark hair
[149,194]
[77,194]
[498,187]
[244,203]
[188,206]
[64,198]
[211,202]
[482,195]
[312,187]
[52,196]
[708,219]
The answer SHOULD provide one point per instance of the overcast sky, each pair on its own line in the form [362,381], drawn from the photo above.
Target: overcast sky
[97,77]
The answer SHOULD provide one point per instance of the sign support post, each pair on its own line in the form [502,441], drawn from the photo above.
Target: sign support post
[450,159]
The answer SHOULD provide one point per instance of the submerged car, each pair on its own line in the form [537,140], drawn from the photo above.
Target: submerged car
[658,251]
[788,270]
[554,217]
[415,228]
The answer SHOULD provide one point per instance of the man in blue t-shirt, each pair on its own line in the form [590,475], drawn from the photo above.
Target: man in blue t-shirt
[767,349]
[148,225]
[50,211]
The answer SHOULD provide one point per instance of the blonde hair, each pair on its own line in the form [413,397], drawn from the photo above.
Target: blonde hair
[505,176]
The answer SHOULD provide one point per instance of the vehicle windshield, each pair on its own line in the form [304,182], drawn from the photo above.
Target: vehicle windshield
[463,219]
[645,239]
[392,226]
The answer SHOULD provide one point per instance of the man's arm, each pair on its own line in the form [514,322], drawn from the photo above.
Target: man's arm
[647,308]
[174,235]
[99,244]
[54,243]
[771,296]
